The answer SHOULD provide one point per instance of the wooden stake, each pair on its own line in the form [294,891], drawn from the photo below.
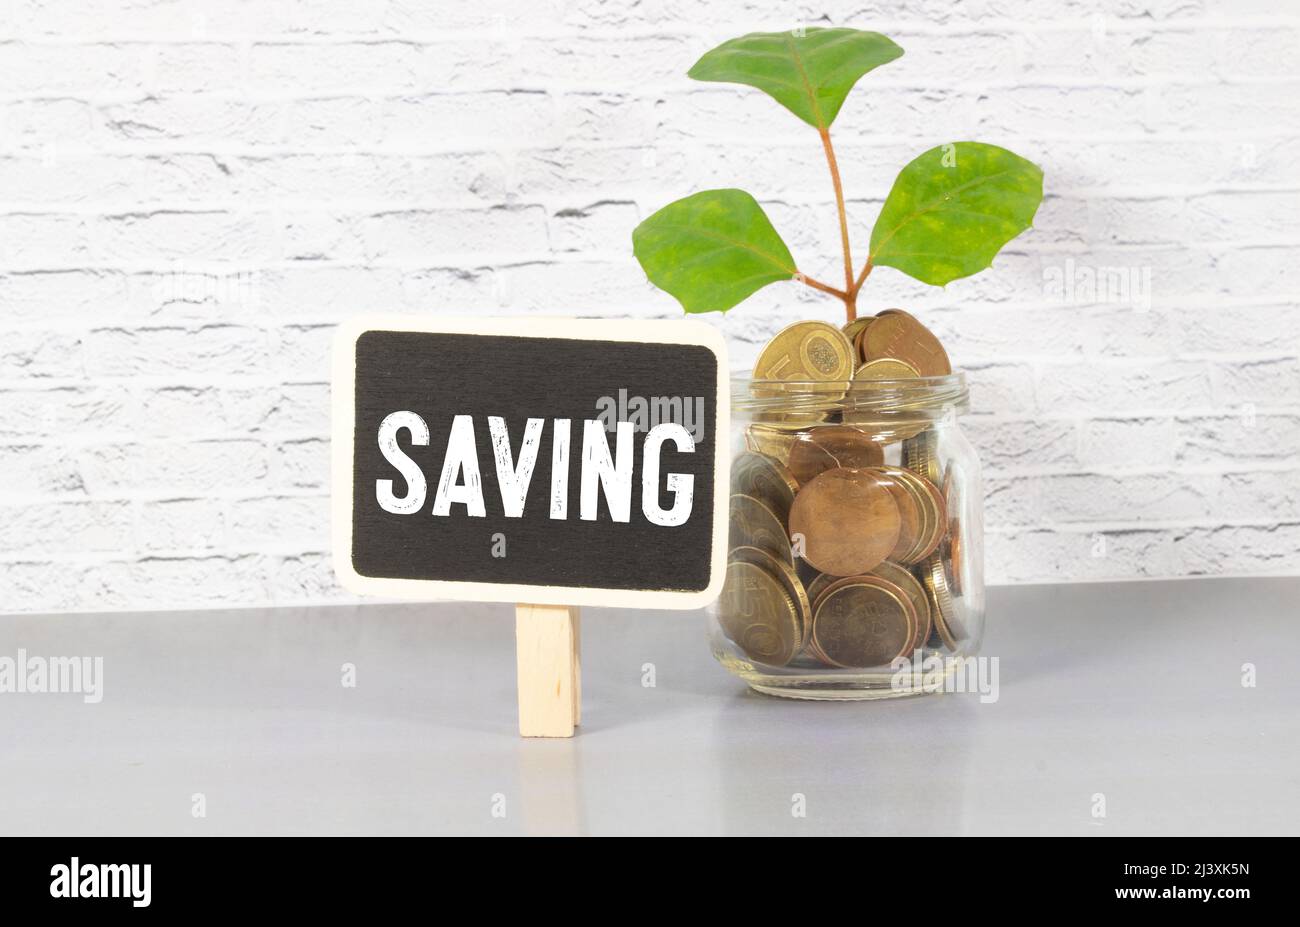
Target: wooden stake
[547,667]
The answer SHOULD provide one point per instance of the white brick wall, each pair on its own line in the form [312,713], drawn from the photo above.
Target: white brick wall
[193,192]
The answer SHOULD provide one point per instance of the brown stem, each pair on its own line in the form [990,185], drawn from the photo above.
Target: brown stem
[849,293]
[862,277]
[824,287]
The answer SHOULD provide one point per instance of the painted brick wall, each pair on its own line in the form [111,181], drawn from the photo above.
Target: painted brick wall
[193,193]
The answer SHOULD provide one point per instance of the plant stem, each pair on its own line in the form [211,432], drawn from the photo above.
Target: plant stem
[850,294]
[866,272]
[824,287]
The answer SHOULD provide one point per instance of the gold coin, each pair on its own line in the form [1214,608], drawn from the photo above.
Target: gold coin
[789,580]
[753,524]
[831,446]
[884,368]
[864,621]
[886,426]
[811,412]
[955,561]
[818,359]
[758,615]
[771,439]
[807,351]
[897,334]
[941,605]
[902,577]
[921,454]
[895,423]
[767,480]
[853,331]
[846,520]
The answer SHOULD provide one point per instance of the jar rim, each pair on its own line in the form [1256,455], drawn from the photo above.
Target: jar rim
[923,395]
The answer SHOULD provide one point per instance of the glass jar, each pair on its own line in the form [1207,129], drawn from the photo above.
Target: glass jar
[855,565]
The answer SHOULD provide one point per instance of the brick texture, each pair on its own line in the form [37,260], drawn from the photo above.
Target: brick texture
[194,192]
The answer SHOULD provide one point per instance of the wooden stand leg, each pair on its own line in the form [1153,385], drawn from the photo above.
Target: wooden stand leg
[546,642]
[576,614]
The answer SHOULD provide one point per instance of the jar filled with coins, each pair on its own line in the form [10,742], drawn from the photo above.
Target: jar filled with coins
[855,545]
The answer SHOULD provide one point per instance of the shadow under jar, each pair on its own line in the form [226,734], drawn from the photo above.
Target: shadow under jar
[855,564]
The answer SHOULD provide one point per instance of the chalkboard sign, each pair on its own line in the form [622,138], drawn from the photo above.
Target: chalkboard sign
[549,461]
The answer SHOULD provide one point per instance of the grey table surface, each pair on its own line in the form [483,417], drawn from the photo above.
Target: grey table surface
[1130,691]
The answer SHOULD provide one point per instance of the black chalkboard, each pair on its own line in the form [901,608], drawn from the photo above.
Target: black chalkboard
[401,393]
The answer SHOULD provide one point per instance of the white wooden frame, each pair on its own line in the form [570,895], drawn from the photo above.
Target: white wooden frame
[677,331]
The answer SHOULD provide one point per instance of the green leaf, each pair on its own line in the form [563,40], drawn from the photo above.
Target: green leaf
[711,250]
[809,73]
[952,210]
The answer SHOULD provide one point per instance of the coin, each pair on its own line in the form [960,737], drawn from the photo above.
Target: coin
[815,652]
[936,510]
[758,615]
[819,585]
[891,572]
[853,331]
[859,344]
[847,520]
[884,368]
[818,359]
[926,525]
[807,351]
[805,571]
[753,524]
[894,421]
[808,458]
[832,446]
[910,524]
[925,538]
[771,439]
[952,544]
[902,577]
[863,621]
[921,454]
[767,480]
[945,613]
[789,580]
[896,334]
[885,425]
[933,512]
[813,409]
[955,560]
